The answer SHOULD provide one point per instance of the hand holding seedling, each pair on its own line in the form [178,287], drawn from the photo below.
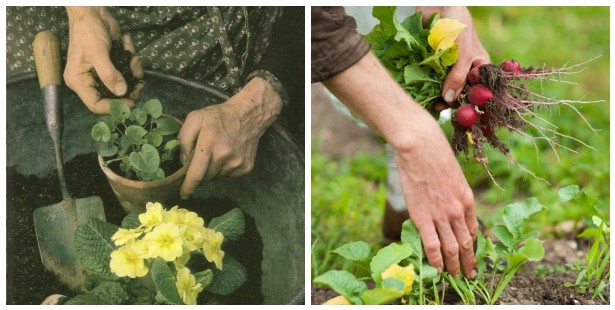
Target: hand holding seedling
[471,51]
[92,31]
[438,197]
[221,140]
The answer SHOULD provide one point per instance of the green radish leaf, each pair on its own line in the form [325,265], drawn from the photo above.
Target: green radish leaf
[227,280]
[166,126]
[387,256]
[164,279]
[533,250]
[502,233]
[343,283]
[516,215]
[119,111]
[147,160]
[568,193]
[231,224]
[380,295]
[354,251]
[101,132]
[135,134]
[153,107]
[93,246]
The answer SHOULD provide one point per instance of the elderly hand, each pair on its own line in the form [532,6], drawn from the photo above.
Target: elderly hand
[471,51]
[221,140]
[91,31]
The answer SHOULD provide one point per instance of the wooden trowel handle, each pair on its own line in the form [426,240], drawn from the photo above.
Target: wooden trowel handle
[46,48]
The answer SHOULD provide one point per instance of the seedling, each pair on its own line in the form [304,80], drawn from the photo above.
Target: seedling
[143,141]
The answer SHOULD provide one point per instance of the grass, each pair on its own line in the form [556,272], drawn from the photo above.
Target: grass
[348,195]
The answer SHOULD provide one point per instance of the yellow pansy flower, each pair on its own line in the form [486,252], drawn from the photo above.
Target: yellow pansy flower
[212,246]
[187,287]
[405,274]
[152,216]
[164,242]
[444,33]
[123,235]
[126,262]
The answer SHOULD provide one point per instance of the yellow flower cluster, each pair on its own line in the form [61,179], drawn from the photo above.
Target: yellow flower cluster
[171,235]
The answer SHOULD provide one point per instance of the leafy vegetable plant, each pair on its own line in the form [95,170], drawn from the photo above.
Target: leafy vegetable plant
[151,258]
[142,140]
[498,263]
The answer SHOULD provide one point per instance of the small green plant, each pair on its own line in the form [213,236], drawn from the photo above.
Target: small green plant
[594,272]
[158,257]
[142,140]
[398,272]
[542,270]
[498,264]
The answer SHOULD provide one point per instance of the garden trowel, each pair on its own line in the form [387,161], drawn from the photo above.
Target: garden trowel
[55,224]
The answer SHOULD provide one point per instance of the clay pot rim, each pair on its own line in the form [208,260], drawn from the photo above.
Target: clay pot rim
[111,175]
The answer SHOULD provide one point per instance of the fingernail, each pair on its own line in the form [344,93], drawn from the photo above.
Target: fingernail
[449,96]
[473,274]
[120,89]
[439,269]
[184,197]
[182,158]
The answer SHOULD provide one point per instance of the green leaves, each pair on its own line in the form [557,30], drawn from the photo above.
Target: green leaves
[164,279]
[141,139]
[404,51]
[93,246]
[343,283]
[354,251]
[230,224]
[227,280]
[389,255]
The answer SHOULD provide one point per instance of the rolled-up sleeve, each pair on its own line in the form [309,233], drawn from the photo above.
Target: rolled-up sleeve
[336,44]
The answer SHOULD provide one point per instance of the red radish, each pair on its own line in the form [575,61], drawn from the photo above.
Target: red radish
[511,66]
[465,116]
[474,76]
[479,94]
[440,106]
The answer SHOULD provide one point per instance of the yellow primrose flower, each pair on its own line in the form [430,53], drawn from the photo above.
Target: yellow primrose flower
[405,274]
[212,246]
[123,235]
[165,242]
[187,287]
[444,33]
[174,216]
[338,300]
[193,219]
[182,260]
[192,237]
[153,215]
[126,262]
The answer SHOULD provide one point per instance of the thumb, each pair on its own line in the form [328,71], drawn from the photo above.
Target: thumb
[110,76]
[455,80]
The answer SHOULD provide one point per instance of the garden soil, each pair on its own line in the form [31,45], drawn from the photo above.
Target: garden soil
[28,282]
[536,283]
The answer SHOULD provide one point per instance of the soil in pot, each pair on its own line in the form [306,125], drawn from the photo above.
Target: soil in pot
[27,280]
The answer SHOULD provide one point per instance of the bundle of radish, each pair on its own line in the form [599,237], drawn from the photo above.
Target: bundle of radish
[419,58]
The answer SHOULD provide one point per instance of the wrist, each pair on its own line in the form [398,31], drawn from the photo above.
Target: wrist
[257,100]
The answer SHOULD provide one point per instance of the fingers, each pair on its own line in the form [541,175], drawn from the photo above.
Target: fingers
[196,171]
[450,247]
[113,79]
[188,134]
[465,244]
[431,243]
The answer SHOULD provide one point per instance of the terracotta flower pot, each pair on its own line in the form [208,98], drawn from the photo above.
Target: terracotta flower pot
[133,195]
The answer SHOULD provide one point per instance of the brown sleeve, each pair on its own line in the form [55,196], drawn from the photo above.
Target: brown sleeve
[336,44]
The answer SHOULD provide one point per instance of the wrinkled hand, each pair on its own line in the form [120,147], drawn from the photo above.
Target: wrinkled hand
[221,140]
[471,51]
[91,31]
